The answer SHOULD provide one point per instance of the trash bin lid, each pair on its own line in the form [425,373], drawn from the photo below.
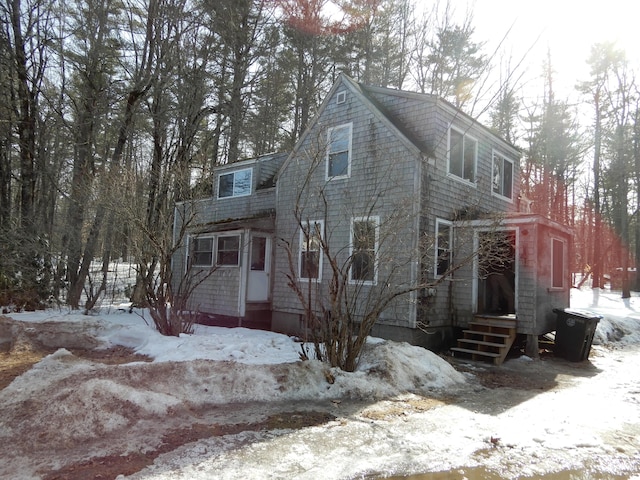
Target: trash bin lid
[578,313]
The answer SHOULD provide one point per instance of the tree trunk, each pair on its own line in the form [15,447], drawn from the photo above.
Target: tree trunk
[596,269]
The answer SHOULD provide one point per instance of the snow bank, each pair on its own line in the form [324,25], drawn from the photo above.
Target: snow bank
[620,321]
[80,400]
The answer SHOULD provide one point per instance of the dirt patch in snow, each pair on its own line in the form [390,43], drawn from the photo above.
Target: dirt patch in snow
[403,406]
[113,465]
[20,359]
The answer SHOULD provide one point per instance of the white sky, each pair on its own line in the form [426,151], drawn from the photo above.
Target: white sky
[568,28]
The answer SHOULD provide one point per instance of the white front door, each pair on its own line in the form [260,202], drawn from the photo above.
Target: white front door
[259,268]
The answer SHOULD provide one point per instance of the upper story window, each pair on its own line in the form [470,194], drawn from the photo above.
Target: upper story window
[463,153]
[339,151]
[443,247]
[310,260]
[201,251]
[502,182]
[364,246]
[235,184]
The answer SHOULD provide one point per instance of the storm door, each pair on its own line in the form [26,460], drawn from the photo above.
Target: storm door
[496,280]
[259,268]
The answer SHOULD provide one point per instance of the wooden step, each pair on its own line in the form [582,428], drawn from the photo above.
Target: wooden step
[488,337]
[480,342]
[488,334]
[476,352]
[499,323]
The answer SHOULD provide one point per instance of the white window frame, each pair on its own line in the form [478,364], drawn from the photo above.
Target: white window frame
[233,188]
[191,251]
[465,138]
[563,246]
[217,247]
[436,261]
[376,221]
[502,159]
[348,126]
[301,249]
[341,97]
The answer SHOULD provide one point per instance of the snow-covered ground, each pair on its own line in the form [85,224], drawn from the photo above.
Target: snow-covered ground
[404,411]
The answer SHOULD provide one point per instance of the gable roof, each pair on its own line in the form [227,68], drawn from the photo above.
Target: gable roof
[357,89]
[367,96]
[440,102]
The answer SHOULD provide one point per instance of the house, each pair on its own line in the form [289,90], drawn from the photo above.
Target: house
[407,198]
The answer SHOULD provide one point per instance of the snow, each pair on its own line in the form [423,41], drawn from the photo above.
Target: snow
[83,401]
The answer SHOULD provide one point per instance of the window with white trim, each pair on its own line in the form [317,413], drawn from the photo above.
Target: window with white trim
[444,235]
[558,256]
[310,256]
[463,153]
[201,251]
[235,184]
[339,151]
[364,246]
[502,181]
[228,250]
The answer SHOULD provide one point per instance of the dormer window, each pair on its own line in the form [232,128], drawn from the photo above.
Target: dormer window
[235,184]
[339,151]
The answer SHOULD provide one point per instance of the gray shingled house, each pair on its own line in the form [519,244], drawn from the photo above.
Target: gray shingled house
[400,192]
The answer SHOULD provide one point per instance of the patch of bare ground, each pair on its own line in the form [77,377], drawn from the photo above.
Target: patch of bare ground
[20,358]
[17,361]
[390,409]
[109,467]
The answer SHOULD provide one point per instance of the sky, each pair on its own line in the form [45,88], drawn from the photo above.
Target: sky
[565,28]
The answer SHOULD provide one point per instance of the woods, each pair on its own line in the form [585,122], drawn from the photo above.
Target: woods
[113,110]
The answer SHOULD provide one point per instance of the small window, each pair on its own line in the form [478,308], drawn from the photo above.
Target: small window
[258,253]
[557,263]
[502,183]
[341,97]
[228,251]
[364,243]
[339,152]
[443,247]
[463,152]
[235,184]
[310,261]
[201,251]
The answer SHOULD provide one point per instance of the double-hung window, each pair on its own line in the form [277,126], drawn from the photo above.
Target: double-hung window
[339,151]
[364,245]
[502,182]
[235,184]
[463,151]
[228,250]
[557,263]
[443,247]
[201,251]
[310,260]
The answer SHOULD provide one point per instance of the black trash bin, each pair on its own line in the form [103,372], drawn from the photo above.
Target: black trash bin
[574,333]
